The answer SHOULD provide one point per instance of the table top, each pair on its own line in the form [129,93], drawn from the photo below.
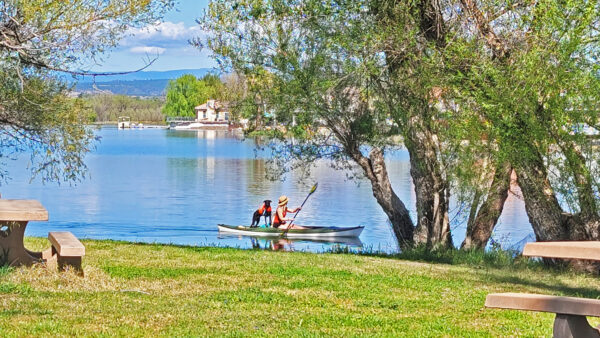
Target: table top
[22,210]
[569,250]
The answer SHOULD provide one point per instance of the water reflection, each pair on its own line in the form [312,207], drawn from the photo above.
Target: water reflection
[296,244]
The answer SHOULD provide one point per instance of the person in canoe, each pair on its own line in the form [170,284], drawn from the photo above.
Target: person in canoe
[280,219]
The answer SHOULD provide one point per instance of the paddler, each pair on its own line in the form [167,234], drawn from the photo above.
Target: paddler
[279,220]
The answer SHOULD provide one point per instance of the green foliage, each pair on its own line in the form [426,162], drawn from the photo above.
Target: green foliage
[531,103]
[56,34]
[187,92]
[40,40]
[110,107]
[39,119]
[312,63]
[494,258]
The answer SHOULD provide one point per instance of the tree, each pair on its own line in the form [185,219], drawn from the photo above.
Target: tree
[187,92]
[109,107]
[476,89]
[39,40]
[350,67]
[533,87]
[369,72]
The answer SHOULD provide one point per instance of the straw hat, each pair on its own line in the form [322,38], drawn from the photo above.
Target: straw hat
[283,200]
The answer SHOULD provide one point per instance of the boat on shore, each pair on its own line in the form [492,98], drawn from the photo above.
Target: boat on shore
[308,232]
[124,122]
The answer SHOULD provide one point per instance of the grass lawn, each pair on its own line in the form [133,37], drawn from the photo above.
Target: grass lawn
[141,290]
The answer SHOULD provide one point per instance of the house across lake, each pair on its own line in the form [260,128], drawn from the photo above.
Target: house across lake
[212,111]
[213,114]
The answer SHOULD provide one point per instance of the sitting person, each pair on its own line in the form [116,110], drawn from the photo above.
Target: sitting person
[264,210]
[281,212]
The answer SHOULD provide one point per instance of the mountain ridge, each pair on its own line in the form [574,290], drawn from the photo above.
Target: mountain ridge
[146,75]
[143,83]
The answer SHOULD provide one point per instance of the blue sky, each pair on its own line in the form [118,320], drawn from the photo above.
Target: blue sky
[168,40]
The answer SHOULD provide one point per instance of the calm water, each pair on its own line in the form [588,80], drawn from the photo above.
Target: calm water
[164,186]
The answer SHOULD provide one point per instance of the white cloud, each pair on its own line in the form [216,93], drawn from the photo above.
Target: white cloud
[147,50]
[164,31]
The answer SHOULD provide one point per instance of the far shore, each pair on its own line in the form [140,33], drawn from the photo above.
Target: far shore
[114,123]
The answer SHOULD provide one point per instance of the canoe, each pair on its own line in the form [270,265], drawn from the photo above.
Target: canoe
[315,232]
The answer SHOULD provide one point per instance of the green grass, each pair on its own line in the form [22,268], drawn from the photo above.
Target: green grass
[142,290]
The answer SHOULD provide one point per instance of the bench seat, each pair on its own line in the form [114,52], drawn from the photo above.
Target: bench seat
[67,249]
[66,244]
[589,250]
[571,312]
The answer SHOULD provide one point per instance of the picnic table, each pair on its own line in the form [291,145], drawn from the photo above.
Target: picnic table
[571,312]
[14,217]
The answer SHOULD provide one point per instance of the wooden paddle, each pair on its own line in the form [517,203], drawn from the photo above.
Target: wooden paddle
[312,190]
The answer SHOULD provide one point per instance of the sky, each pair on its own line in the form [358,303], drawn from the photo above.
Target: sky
[168,40]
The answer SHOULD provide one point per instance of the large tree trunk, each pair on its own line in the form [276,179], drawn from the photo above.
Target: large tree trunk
[546,216]
[375,170]
[543,209]
[431,187]
[480,229]
[582,178]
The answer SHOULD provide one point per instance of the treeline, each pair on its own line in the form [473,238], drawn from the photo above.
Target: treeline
[108,108]
[182,96]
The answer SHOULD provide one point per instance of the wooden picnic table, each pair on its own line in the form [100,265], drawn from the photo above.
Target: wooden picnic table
[14,217]
[571,312]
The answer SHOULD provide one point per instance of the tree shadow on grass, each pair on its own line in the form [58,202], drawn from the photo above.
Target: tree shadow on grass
[553,287]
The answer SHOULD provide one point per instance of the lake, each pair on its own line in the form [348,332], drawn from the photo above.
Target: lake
[165,186]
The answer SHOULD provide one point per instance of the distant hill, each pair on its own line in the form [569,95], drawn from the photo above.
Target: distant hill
[130,88]
[152,83]
[153,75]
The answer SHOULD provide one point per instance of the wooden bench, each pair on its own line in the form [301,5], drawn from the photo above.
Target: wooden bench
[67,250]
[571,312]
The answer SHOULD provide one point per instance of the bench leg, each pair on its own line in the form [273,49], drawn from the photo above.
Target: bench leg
[49,256]
[571,326]
[65,262]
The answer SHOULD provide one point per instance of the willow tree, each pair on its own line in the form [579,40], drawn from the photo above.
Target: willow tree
[534,92]
[40,41]
[349,79]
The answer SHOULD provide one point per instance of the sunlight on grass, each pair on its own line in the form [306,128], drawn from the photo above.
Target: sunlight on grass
[140,289]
